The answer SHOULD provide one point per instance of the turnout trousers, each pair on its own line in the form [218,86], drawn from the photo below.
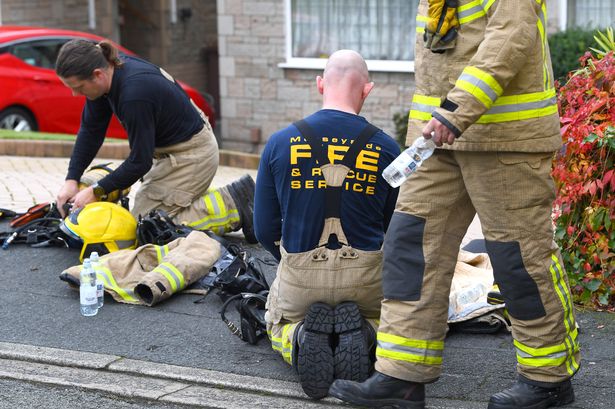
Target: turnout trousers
[322,274]
[512,193]
[179,184]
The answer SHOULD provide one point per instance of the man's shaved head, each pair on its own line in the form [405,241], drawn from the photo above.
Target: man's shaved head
[346,64]
[345,81]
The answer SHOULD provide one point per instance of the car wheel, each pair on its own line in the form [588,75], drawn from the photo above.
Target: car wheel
[17,119]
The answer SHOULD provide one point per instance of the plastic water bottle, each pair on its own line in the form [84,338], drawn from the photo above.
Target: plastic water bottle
[100,286]
[408,161]
[471,294]
[87,290]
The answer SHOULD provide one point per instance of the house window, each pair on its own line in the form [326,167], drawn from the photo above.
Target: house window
[591,13]
[382,31]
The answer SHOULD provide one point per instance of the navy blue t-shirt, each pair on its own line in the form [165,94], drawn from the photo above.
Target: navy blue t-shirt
[290,200]
[154,110]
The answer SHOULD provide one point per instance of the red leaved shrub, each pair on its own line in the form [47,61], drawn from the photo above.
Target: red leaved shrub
[584,212]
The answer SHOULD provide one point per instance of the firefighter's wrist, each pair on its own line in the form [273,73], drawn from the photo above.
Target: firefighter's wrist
[99,192]
[446,122]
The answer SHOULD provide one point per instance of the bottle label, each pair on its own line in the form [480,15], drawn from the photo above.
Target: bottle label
[87,295]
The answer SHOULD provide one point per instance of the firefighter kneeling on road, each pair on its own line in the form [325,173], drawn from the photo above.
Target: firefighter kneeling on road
[499,122]
[331,231]
[173,148]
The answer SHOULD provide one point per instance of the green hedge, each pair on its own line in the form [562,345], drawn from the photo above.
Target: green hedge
[566,49]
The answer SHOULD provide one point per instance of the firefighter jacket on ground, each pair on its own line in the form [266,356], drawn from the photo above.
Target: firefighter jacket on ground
[495,88]
[151,273]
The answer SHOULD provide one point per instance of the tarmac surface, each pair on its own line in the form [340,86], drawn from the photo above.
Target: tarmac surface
[180,354]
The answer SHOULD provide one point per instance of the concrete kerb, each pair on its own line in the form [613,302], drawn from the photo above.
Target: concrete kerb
[110,150]
[147,380]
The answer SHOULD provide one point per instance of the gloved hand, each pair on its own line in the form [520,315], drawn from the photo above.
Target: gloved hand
[441,28]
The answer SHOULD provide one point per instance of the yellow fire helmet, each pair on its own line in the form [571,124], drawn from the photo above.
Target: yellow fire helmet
[95,173]
[101,226]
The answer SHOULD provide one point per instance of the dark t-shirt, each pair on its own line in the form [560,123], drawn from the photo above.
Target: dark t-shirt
[289,201]
[154,110]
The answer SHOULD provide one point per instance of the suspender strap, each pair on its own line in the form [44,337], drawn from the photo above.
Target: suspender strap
[317,150]
[333,194]
[351,156]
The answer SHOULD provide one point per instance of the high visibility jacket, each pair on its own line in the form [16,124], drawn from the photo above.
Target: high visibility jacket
[152,273]
[495,87]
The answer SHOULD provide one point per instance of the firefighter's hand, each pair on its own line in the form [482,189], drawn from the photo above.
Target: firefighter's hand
[441,133]
[84,197]
[66,194]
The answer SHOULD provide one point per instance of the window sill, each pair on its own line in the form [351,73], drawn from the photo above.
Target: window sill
[372,65]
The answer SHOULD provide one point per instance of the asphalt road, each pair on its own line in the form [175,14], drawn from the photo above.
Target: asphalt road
[37,308]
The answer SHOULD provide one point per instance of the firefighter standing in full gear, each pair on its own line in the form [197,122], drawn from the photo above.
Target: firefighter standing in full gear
[487,91]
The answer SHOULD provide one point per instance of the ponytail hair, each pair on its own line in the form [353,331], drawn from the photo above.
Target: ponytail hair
[79,58]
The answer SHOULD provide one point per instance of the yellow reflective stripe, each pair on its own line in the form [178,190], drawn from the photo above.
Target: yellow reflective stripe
[479,84]
[542,28]
[546,356]
[420,23]
[409,350]
[506,108]
[525,98]
[517,116]
[422,107]
[276,343]
[519,107]
[423,116]
[401,356]
[106,276]
[161,252]
[541,362]
[473,10]
[412,343]
[283,345]
[218,216]
[563,353]
[485,77]
[172,274]
[287,345]
[542,351]
[558,275]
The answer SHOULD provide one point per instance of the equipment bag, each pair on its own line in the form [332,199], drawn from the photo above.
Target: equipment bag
[235,272]
[158,228]
[40,232]
[251,310]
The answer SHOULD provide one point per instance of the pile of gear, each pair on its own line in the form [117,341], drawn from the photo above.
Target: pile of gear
[147,261]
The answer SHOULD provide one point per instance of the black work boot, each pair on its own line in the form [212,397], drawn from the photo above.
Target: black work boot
[380,391]
[351,357]
[315,355]
[523,395]
[242,192]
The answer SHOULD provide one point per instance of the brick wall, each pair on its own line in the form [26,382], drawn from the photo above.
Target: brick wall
[181,47]
[258,97]
[70,14]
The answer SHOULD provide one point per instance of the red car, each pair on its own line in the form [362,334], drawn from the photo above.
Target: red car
[32,98]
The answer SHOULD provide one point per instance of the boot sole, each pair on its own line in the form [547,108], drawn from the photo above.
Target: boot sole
[242,192]
[375,403]
[563,399]
[315,357]
[351,357]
